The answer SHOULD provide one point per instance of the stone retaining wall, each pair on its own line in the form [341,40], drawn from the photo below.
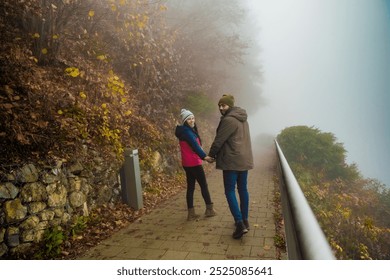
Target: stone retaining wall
[34,198]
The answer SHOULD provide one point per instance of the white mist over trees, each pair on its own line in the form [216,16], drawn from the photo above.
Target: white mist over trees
[217,43]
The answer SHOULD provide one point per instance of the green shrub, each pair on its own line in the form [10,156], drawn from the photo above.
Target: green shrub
[52,243]
[199,103]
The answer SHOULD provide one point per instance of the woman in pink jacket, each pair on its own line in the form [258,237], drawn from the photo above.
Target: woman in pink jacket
[192,156]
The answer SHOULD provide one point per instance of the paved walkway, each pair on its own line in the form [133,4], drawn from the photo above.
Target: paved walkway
[165,234]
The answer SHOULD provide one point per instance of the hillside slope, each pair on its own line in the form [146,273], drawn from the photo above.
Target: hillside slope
[81,81]
[51,108]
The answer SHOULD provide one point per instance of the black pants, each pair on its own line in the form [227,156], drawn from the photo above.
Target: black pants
[196,173]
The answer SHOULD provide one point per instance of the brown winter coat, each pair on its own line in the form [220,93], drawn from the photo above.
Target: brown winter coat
[232,145]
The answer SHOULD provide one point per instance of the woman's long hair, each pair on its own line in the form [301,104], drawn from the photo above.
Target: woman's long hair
[195,129]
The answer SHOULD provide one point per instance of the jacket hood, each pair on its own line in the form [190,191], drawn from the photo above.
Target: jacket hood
[182,130]
[238,113]
[179,131]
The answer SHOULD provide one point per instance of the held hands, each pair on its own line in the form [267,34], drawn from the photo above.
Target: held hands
[209,159]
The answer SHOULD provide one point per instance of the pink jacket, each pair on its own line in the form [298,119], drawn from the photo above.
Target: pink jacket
[190,146]
[188,157]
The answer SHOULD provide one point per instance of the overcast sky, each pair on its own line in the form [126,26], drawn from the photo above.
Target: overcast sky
[327,64]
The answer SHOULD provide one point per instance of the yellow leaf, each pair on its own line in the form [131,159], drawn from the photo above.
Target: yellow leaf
[55,36]
[60,112]
[123,100]
[128,113]
[141,25]
[9,90]
[83,95]
[34,58]
[36,35]
[101,57]
[74,74]
[44,51]
[104,105]
[72,71]
[163,8]
[91,13]
[346,213]
[113,8]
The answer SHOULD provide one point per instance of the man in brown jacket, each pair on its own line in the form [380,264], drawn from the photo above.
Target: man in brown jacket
[232,151]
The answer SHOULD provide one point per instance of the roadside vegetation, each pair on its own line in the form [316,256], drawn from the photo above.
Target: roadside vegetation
[354,212]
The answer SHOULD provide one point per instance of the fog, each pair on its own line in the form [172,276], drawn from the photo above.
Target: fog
[326,63]
[319,63]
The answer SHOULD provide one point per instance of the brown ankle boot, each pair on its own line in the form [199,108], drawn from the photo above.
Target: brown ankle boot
[191,214]
[210,212]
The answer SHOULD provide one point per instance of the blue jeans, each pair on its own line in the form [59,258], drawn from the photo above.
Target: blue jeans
[230,180]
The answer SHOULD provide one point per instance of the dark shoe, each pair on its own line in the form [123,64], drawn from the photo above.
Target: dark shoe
[240,230]
[246,223]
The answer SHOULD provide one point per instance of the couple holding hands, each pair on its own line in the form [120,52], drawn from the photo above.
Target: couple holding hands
[232,152]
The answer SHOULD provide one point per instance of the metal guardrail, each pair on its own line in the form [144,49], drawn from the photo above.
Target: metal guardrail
[304,237]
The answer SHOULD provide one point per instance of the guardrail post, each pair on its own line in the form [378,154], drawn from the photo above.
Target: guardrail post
[131,180]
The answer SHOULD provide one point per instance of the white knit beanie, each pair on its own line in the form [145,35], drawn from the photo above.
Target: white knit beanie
[185,114]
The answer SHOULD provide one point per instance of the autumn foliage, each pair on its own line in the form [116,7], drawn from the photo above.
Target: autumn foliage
[354,212]
[101,73]
[104,75]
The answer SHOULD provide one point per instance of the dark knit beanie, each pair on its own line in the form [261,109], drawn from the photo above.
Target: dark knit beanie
[227,99]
